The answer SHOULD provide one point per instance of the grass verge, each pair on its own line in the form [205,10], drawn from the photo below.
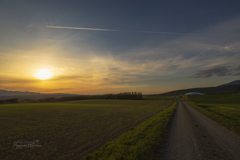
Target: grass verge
[141,142]
[228,115]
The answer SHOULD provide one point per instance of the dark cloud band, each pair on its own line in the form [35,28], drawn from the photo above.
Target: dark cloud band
[218,71]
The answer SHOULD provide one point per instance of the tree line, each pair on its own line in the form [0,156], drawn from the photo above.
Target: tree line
[125,95]
[6,101]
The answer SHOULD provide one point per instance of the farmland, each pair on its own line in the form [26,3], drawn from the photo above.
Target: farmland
[216,98]
[158,97]
[223,108]
[139,143]
[69,129]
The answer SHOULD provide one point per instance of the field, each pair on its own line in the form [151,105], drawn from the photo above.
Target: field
[139,143]
[223,108]
[69,129]
[216,98]
[158,97]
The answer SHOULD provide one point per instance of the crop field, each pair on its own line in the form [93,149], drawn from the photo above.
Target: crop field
[139,143]
[69,129]
[216,98]
[224,109]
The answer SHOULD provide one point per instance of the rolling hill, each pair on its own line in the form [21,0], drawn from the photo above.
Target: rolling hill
[4,94]
[231,83]
[229,88]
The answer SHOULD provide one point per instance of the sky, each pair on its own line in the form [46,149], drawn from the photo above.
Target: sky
[113,46]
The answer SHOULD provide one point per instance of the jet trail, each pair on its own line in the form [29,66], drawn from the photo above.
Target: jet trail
[92,29]
[99,29]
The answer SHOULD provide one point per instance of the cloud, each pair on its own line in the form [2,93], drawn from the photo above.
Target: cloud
[215,46]
[218,71]
[238,68]
[15,80]
[70,77]
[85,66]
[236,74]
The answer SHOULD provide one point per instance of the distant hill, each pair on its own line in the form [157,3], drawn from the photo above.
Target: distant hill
[4,94]
[228,89]
[15,93]
[231,83]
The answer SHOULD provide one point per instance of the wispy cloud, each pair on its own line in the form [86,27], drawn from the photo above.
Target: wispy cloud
[217,46]
[215,53]
[218,71]
[238,68]
[236,74]
[12,80]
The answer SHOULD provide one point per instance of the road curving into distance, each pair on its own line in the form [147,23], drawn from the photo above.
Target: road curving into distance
[193,136]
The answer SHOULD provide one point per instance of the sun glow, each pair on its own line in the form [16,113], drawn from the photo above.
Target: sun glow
[44,74]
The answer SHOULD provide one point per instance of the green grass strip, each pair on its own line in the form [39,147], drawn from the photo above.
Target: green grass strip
[225,117]
[139,143]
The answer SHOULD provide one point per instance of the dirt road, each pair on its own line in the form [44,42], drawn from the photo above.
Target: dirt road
[193,136]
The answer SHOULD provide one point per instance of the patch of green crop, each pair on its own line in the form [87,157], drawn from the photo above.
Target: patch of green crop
[216,98]
[65,130]
[139,143]
[227,115]
[222,108]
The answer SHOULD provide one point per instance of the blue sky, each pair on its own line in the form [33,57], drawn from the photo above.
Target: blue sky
[147,46]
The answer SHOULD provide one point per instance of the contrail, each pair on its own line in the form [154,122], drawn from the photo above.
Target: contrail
[99,29]
[92,29]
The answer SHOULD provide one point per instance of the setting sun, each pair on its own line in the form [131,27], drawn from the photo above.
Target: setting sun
[44,74]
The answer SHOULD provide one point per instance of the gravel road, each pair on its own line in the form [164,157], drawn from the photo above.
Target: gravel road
[193,136]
